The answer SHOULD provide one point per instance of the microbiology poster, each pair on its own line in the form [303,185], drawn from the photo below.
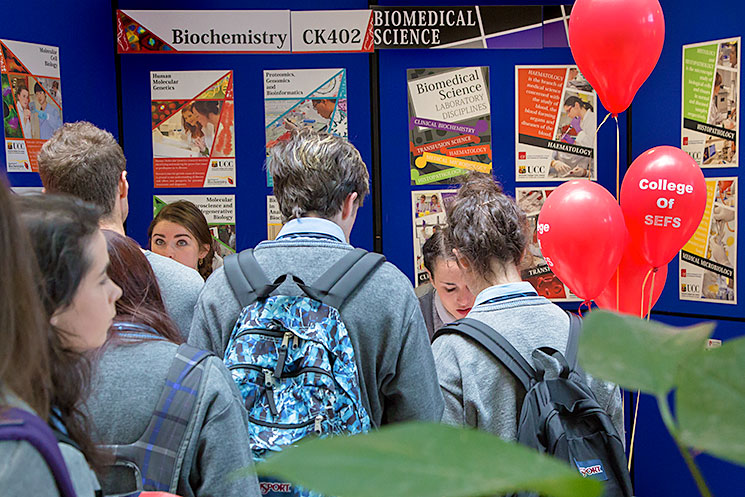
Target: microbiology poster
[32,101]
[708,262]
[293,98]
[449,124]
[428,216]
[219,210]
[534,269]
[711,100]
[193,129]
[556,120]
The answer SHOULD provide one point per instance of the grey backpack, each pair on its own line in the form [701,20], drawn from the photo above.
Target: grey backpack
[559,416]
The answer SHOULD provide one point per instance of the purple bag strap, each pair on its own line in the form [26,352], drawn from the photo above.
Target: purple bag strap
[20,425]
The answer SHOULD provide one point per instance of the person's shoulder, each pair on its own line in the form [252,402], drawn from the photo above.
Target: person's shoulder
[24,471]
[169,270]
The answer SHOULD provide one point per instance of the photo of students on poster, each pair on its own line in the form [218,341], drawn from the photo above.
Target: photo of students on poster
[193,129]
[449,124]
[708,262]
[711,100]
[293,98]
[428,216]
[32,104]
[556,122]
[218,210]
[534,268]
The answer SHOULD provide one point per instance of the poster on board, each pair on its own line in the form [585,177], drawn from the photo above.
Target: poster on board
[708,262]
[32,101]
[273,218]
[555,119]
[428,216]
[533,268]
[711,101]
[293,98]
[218,210]
[193,129]
[449,124]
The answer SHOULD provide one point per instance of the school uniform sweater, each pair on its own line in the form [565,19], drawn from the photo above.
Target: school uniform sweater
[479,391]
[391,348]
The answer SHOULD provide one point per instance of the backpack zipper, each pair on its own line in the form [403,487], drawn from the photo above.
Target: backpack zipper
[281,425]
[261,331]
[310,369]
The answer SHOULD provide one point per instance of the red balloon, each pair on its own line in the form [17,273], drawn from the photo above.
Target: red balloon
[582,236]
[663,197]
[616,44]
[631,273]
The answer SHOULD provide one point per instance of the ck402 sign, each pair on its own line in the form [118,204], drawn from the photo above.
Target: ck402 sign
[332,31]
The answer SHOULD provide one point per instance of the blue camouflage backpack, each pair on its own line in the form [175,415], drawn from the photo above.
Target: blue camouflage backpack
[292,358]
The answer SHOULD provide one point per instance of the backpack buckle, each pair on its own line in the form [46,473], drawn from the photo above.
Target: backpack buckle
[269,380]
[317,428]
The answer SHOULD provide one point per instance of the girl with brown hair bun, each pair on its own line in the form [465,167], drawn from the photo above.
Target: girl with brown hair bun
[488,234]
[133,372]
[180,232]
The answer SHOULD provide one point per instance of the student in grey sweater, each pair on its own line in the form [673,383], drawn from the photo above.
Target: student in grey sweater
[131,374]
[488,234]
[86,162]
[320,181]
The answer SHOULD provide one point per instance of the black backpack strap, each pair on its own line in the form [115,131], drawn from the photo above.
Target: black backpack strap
[496,344]
[336,285]
[575,329]
[246,278]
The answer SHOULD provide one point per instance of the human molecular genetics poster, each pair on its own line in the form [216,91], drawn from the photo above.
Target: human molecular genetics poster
[428,215]
[294,98]
[193,131]
[711,99]
[534,269]
[708,262]
[219,210]
[555,114]
[449,124]
[32,101]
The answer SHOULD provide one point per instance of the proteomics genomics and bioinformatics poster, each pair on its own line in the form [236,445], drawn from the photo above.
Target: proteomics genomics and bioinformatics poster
[708,262]
[555,114]
[32,101]
[449,124]
[193,130]
[711,98]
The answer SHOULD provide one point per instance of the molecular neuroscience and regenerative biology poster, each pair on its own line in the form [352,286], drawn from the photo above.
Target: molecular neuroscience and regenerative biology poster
[449,124]
[555,114]
[193,130]
[32,101]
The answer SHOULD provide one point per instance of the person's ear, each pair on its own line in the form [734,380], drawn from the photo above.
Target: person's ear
[123,185]
[205,250]
[349,205]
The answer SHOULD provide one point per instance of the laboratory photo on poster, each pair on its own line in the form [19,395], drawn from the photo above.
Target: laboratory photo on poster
[219,212]
[32,101]
[533,268]
[193,129]
[449,124]
[708,262]
[556,121]
[428,216]
[711,101]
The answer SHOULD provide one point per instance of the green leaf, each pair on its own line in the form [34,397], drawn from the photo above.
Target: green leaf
[423,459]
[637,354]
[710,401]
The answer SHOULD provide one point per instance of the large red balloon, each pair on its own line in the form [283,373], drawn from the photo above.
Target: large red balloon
[582,236]
[631,273]
[616,44]
[663,197]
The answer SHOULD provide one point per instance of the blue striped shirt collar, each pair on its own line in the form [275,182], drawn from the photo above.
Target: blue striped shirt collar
[502,290]
[312,225]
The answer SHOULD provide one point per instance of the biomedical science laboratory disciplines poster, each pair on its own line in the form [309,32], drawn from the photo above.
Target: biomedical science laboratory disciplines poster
[219,210]
[711,100]
[555,113]
[449,124]
[193,131]
[708,262]
[294,98]
[428,215]
[32,101]
[534,269]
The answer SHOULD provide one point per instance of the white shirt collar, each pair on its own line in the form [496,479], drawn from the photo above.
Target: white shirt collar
[501,290]
[311,225]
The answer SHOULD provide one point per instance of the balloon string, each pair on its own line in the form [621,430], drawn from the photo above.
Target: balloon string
[618,158]
[585,303]
[601,124]
[633,430]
